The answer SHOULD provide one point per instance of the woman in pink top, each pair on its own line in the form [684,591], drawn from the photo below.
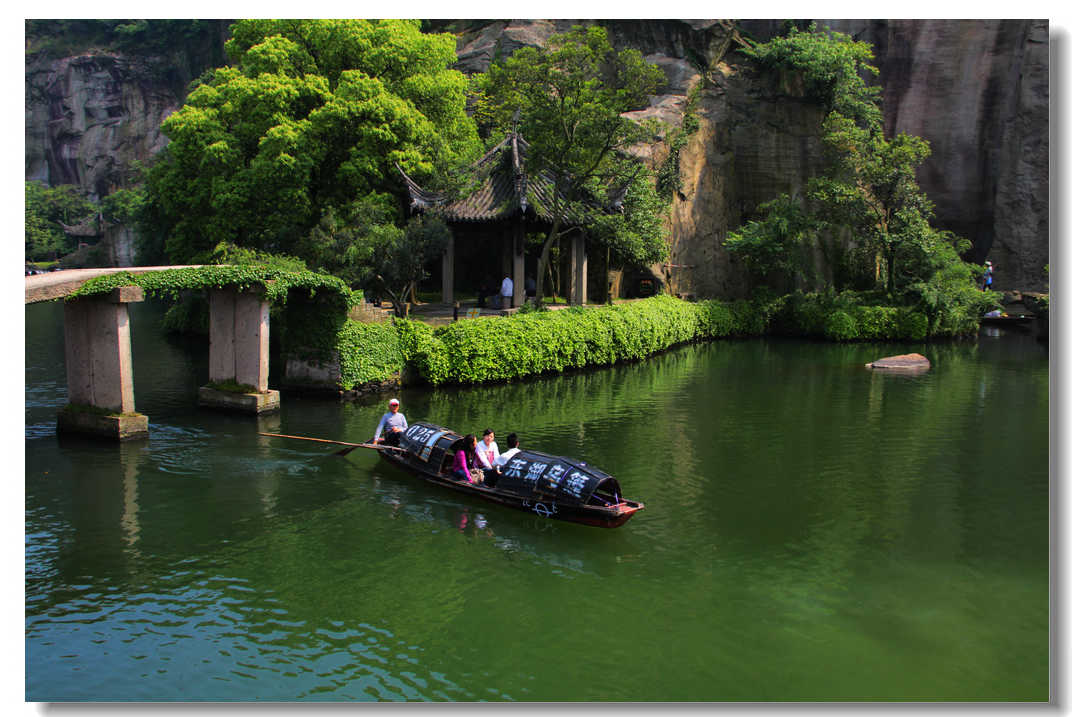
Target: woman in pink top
[464,457]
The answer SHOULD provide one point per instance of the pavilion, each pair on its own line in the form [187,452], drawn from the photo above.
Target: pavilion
[507,203]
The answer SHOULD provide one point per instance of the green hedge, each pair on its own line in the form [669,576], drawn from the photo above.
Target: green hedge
[499,348]
[368,353]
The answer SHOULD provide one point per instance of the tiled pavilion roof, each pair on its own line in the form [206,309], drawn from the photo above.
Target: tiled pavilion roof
[505,189]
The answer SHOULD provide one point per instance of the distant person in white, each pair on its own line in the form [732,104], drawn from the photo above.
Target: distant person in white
[394,422]
[506,293]
[511,450]
[487,450]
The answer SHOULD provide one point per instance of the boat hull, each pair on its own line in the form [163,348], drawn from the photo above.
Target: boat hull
[597,516]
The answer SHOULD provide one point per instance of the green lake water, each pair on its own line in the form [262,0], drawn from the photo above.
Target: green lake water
[812,531]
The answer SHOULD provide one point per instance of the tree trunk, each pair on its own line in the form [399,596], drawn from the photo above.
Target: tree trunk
[541,265]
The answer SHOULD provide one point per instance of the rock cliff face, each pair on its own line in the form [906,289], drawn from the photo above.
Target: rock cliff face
[88,118]
[977,90]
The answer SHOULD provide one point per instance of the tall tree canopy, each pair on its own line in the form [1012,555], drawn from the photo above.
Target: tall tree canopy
[571,96]
[311,117]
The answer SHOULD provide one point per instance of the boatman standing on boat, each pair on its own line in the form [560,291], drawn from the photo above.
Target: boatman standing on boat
[394,423]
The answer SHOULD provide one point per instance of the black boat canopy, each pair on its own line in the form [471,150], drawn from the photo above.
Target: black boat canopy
[528,474]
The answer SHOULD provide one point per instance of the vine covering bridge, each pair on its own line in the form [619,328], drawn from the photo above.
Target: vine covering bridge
[100,381]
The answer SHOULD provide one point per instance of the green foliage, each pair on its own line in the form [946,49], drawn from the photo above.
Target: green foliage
[571,96]
[190,315]
[345,239]
[845,317]
[840,326]
[368,353]
[312,114]
[124,206]
[45,208]
[637,235]
[422,351]
[952,302]
[830,64]
[232,387]
[76,408]
[170,283]
[137,37]
[230,254]
[775,246]
[498,348]
[399,261]
[668,175]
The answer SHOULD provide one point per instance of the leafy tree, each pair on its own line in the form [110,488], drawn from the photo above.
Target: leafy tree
[775,245]
[570,97]
[311,114]
[636,236]
[46,207]
[124,206]
[399,260]
[344,241]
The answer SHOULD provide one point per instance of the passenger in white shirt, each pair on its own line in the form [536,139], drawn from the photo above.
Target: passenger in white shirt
[511,450]
[486,450]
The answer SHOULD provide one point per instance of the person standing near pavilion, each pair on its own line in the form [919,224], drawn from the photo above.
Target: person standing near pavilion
[506,293]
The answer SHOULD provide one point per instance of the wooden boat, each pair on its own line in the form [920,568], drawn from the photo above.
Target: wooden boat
[1019,320]
[549,486]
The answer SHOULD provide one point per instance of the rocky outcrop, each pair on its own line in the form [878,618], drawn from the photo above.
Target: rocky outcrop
[976,90]
[905,363]
[88,118]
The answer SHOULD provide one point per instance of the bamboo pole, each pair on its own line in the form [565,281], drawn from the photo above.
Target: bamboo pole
[373,446]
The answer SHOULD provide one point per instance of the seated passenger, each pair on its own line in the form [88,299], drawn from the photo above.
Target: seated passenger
[511,451]
[464,458]
[487,451]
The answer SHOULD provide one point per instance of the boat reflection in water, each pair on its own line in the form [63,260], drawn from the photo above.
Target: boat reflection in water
[549,486]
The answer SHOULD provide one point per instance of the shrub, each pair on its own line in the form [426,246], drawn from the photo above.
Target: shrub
[367,353]
[840,326]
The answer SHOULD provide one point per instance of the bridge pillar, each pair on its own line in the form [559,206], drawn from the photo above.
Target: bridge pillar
[100,373]
[238,353]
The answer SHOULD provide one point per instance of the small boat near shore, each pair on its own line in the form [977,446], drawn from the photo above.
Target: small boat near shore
[549,486]
[1020,320]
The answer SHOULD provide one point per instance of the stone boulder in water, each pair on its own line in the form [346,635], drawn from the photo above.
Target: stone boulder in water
[904,362]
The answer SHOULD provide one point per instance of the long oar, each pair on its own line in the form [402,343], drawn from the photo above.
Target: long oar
[344,451]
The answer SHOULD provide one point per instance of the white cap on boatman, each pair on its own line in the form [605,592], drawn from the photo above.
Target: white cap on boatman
[393,402]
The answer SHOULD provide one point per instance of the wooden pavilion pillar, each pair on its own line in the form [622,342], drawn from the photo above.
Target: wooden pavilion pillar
[579,271]
[519,262]
[448,272]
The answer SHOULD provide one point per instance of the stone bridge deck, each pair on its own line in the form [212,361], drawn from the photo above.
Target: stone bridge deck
[58,284]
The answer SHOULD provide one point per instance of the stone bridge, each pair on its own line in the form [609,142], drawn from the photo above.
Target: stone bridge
[100,379]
